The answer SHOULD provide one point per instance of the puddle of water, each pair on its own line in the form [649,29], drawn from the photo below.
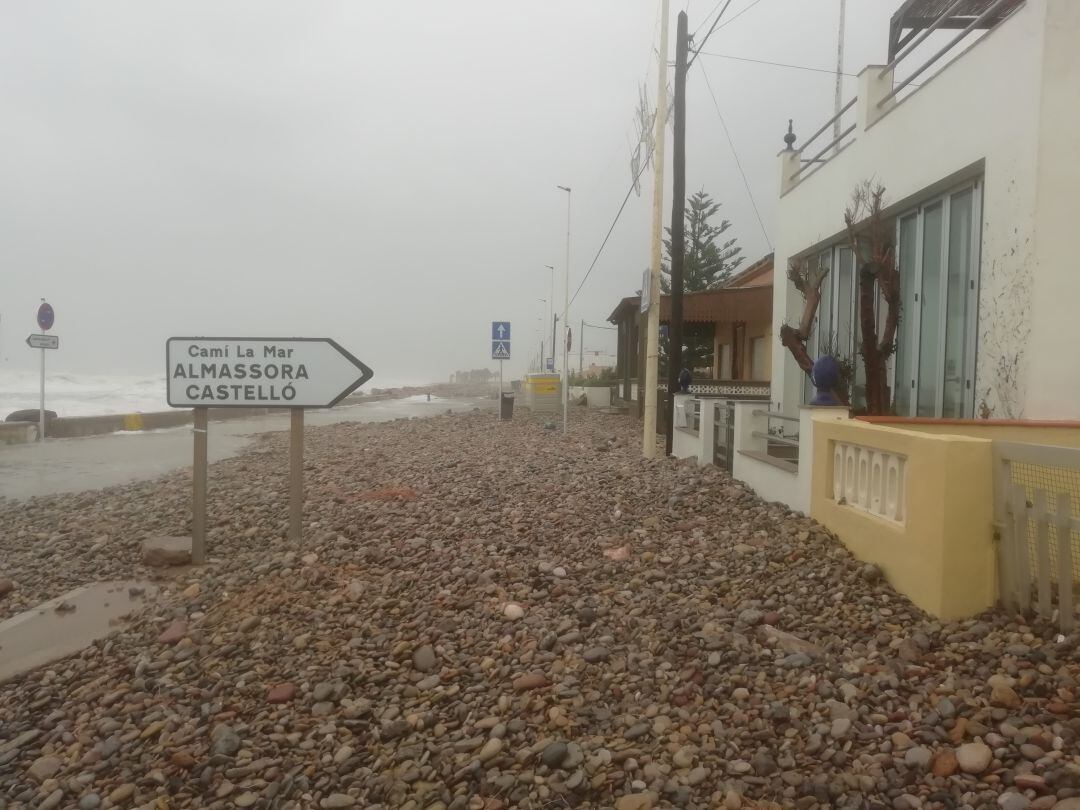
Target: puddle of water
[44,634]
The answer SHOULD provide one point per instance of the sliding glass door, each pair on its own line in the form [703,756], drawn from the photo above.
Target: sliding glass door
[933,371]
[939,264]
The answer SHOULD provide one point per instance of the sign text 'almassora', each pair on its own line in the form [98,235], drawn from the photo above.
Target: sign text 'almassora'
[213,372]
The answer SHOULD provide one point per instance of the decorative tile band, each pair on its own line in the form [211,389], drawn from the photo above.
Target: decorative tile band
[869,479]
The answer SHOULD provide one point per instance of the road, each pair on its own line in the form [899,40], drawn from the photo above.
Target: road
[93,462]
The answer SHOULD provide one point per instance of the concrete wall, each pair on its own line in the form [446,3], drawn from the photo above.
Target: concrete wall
[941,555]
[1006,109]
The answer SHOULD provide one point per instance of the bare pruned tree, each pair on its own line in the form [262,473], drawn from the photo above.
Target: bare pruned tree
[807,281]
[871,238]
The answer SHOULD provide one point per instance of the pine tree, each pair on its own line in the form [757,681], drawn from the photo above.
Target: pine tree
[709,262]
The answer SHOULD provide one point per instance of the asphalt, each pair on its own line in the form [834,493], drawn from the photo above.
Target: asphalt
[94,462]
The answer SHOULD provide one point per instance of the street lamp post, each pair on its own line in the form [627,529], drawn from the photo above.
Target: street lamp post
[551,315]
[566,317]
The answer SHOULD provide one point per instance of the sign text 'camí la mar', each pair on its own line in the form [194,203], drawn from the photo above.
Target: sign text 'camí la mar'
[260,372]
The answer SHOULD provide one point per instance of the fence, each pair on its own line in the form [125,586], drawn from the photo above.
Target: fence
[1036,488]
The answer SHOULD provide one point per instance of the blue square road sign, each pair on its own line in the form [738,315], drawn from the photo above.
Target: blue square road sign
[500,330]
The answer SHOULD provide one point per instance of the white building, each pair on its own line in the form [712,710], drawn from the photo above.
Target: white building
[981,166]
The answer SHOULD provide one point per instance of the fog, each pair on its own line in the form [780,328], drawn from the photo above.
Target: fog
[380,173]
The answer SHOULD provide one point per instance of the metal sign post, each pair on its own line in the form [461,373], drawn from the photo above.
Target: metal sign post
[293,373]
[500,350]
[46,317]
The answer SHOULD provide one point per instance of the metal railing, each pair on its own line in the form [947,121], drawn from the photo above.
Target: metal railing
[817,159]
[974,24]
[777,443]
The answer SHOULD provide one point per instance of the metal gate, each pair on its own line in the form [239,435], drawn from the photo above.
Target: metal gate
[723,433]
[1036,490]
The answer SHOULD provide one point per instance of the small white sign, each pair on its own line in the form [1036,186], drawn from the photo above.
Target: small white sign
[646,291]
[43,341]
[214,372]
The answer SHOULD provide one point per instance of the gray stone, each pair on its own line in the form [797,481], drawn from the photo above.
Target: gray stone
[43,768]
[594,655]
[974,757]
[160,552]
[554,754]
[424,659]
[224,741]
[91,801]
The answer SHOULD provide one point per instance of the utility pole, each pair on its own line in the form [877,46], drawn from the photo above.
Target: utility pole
[678,203]
[649,388]
[566,322]
[581,348]
[554,324]
[839,73]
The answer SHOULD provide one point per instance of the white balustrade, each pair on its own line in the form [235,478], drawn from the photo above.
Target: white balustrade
[869,479]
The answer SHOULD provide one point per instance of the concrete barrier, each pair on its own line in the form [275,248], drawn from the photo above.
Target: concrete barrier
[18,432]
[79,426]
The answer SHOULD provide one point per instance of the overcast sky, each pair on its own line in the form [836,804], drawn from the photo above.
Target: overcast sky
[380,173]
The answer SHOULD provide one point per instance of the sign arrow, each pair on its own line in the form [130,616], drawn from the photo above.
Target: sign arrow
[248,372]
[502,331]
[43,341]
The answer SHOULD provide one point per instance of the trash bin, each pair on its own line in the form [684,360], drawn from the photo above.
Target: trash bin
[506,405]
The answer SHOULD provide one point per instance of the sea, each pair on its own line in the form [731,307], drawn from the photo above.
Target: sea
[79,394]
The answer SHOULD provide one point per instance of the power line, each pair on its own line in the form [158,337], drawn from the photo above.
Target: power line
[705,19]
[626,199]
[774,64]
[709,33]
[738,162]
[733,19]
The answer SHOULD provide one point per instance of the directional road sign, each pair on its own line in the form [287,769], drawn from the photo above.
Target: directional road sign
[500,340]
[250,372]
[45,317]
[43,341]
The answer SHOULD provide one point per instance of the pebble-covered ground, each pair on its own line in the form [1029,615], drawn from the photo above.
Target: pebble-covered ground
[490,615]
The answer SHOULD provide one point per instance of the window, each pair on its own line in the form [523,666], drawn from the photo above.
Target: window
[933,368]
[757,359]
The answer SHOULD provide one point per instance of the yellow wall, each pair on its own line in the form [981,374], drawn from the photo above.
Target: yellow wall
[942,556]
[1064,436]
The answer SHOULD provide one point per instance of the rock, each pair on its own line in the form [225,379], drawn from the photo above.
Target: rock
[43,768]
[533,680]
[192,591]
[6,586]
[337,800]
[944,763]
[595,655]
[684,757]
[513,611]
[751,616]
[635,801]
[554,754]
[974,757]
[281,693]
[183,760]
[424,659]
[840,728]
[160,552]
[1013,801]
[558,572]
[870,573]
[121,794]
[490,750]
[224,741]
[91,801]
[1005,696]
[245,799]
[917,757]
[174,633]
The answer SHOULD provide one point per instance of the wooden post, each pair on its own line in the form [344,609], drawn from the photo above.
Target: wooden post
[678,217]
[198,496]
[296,473]
[1021,546]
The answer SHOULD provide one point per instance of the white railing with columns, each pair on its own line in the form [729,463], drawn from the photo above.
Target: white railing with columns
[869,479]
